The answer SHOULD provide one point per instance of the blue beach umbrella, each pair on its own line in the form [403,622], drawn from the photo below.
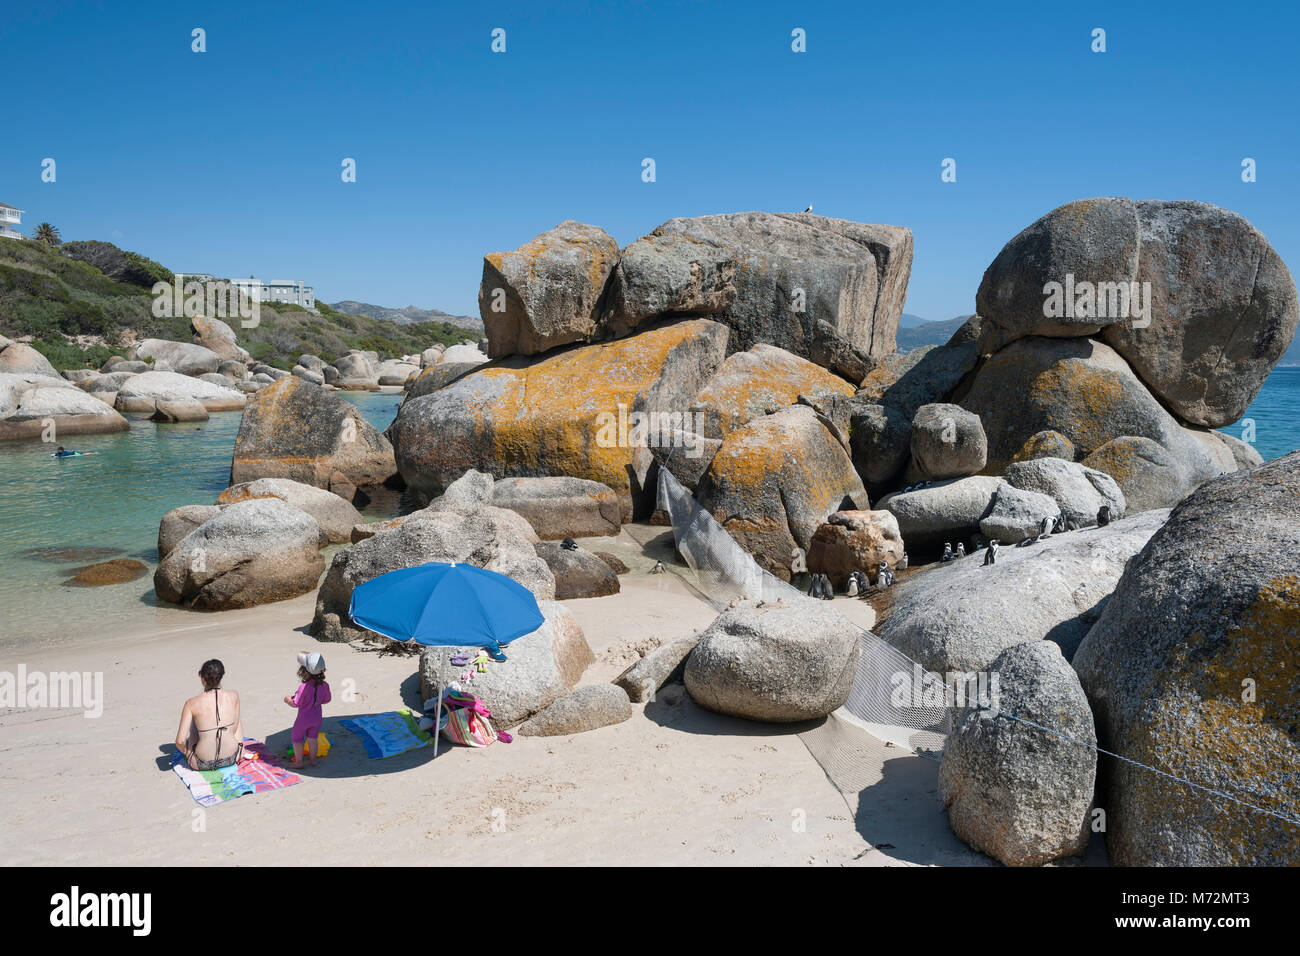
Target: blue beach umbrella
[446,605]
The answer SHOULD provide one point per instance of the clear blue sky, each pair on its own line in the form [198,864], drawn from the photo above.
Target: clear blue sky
[228,161]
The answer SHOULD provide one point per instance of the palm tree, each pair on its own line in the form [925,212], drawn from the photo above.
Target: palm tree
[47,234]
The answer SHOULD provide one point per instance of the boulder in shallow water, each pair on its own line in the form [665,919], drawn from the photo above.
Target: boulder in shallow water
[179,410]
[183,358]
[179,522]
[113,571]
[774,662]
[1015,792]
[141,393]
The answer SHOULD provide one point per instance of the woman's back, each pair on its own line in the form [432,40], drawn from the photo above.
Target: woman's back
[216,718]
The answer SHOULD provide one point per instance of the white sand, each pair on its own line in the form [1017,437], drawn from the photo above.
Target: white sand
[673,785]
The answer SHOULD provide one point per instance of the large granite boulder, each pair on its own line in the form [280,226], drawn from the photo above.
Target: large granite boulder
[1079,491]
[335,516]
[774,662]
[545,293]
[1191,670]
[17,358]
[855,541]
[758,382]
[1045,444]
[438,376]
[946,511]
[1017,515]
[38,406]
[959,615]
[1015,792]
[307,375]
[294,429]
[218,337]
[774,481]
[560,506]
[565,413]
[1079,388]
[396,373]
[184,358]
[880,438]
[179,410]
[464,353]
[828,290]
[587,708]
[578,574]
[355,370]
[539,669]
[1147,473]
[1217,305]
[668,275]
[947,442]
[483,536]
[141,393]
[179,522]
[253,552]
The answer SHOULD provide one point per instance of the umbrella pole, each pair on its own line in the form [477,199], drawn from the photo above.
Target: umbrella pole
[442,687]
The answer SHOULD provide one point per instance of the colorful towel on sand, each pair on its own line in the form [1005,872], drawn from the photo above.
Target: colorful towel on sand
[384,735]
[210,787]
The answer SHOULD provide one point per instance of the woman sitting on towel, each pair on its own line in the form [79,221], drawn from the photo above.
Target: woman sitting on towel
[211,734]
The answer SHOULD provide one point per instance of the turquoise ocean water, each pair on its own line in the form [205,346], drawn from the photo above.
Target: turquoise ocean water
[112,501]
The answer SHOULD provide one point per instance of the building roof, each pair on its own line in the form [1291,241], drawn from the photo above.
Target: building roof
[5,205]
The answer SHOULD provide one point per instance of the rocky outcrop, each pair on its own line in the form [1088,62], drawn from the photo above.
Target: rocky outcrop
[959,615]
[253,552]
[483,536]
[774,481]
[947,511]
[758,382]
[588,708]
[1147,473]
[179,410]
[578,574]
[668,274]
[143,392]
[1020,794]
[1079,491]
[665,663]
[218,337]
[774,662]
[545,293]
[356,370]
[179,522]
[438,376]
[947,442]
[1017,515]
[561,507]
[565,413]
[17,358]
[335,516]
[1046,444]
[396,373]
[855,541]
[293,429]
[539,669]
[1191,670]
[37,406]
[184,358]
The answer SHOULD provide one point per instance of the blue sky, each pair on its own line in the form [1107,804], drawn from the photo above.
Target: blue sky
[229,161]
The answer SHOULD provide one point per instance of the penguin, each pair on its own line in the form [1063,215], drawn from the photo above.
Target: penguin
[658,568]
[568,544]
[902,563]
[1045,528]
[884,576]
[853,585]
[828,589]
[947,552]
[961,549]
[991,555]
[1103,516]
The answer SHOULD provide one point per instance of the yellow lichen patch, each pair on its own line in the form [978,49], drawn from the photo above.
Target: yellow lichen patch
[763,380]
[1085,399]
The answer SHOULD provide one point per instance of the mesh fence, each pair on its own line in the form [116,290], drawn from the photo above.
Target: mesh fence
[893,697]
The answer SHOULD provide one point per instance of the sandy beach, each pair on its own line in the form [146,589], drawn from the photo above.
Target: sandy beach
[675,784]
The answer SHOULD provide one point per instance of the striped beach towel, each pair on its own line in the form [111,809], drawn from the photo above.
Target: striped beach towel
[387,734]
[210,787]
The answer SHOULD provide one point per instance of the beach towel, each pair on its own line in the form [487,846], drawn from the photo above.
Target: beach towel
[210,787]
[387,734]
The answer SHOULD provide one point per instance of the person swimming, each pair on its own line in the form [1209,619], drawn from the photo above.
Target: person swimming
[226,745]
[63,453]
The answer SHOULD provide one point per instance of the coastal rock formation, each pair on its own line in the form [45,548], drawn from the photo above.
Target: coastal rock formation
[307,375]
[564,413]
[578,574]
[253,552]
[854,541]
[560,506]
[924,376]
[758,382]
[179,522]
[587,708]
[668,274]
[1147,473]
[880,437]
[1217,309]
[778,663]
[828,290]
[113,571]
[959,615]
[334,515]
[141,393]
[1017,515]
[485,537]
[947,442]
[539,669]
[34,406]
[184,358]
[774,481]
[1191,670]
[179,410]
[218,337]
[545,293]
[438,376]
[466,353]
[356,370]
[664,664]
[946,511]
[396,373]
[17,358]
[1015,792]
[293,429]
[1079,491]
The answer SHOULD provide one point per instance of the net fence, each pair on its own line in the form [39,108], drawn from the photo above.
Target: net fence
[893,697]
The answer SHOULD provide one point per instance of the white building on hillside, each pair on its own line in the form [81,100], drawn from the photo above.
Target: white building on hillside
[10,217]
[278,290]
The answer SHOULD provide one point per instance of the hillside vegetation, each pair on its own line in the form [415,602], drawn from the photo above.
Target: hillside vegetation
[78,313]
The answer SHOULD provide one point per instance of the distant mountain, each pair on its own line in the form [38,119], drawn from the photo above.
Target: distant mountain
[407,316]
[928,333]
[909,321]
